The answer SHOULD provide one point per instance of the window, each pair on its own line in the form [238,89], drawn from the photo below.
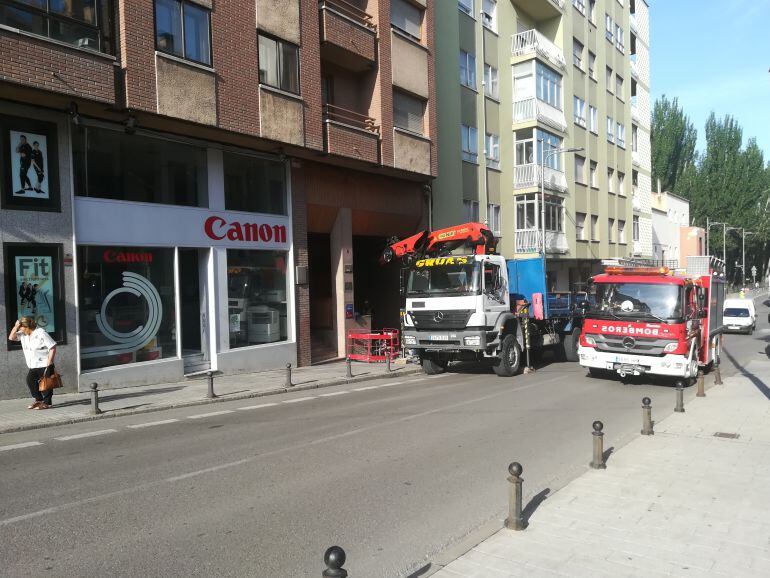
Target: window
[116,327]
[278,64]
[580,169]
[580,5]
[592,65]
[493,217]
[594,228]
[608,27]
[621,184]
[492,151]
[577,53]
[610,180]
[594,177]
[548,141]
[634,138]
[467,69]
[619,86]
[621,140]
[634,182]
[548,86]
[611,230]
[592,11]
[579,106]
[610,129]
[111,164]
[182,29]
[466,6]
[489,14]
[85,24]
[254,184]
[471,209]
[491,87]
[554,214]
[635,228]
[256,294]
[580,225]
[608,78]
[526,212]
[621,231]
[407,18]
[593,119]
[408,112]
[524,152]
[619,38]
[469,139]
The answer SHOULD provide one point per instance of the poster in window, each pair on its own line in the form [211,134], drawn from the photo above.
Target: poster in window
[33,286]
[29,160]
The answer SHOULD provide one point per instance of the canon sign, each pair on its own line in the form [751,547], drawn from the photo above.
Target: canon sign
[112,256]
[218,229]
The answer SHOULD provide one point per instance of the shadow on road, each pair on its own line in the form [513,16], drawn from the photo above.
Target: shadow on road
[758,383]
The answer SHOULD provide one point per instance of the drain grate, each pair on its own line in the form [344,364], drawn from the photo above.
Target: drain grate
[732,436]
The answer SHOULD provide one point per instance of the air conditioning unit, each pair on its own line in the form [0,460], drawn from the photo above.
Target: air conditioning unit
[264,324]
[91,43]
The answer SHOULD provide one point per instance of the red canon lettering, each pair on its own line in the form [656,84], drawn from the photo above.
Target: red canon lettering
[217,228]
[209,225]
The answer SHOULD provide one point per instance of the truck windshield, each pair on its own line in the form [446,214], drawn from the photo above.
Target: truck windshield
[638,300]
[456,279]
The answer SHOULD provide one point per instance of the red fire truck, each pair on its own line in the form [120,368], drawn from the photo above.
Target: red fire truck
[647,320]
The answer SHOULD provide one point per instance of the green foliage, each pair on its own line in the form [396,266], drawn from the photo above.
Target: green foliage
[673,139]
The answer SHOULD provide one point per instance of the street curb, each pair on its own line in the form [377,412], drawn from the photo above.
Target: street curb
[194,402]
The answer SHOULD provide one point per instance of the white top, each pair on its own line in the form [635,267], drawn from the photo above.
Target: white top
[36,347]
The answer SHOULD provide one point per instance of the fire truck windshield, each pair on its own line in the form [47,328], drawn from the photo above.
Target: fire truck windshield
[638,300]
[436,280]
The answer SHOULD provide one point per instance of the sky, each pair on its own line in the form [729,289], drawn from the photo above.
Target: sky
[714,55]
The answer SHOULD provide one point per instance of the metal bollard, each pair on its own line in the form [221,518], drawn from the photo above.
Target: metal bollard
[679,408]
[288,375]
[515,520]
[95,399]
[210,391]
[334,558]
[717,375]
[701,385]
[348,367]
[387,361]
[647,417]
[598,461]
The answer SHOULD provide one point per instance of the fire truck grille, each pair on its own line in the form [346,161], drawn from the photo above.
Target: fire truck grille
[446,319]
[642,346]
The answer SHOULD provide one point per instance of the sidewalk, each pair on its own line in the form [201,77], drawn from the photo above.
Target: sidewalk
[75,407]
[680,503]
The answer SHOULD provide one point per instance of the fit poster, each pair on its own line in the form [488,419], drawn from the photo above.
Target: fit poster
[29,165]
[35,291]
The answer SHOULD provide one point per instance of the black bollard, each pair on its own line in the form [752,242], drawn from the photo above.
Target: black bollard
[647,417]
[334,558]
[717,375]
[387,361]
[95,399]
[515,520]
[679,408]
[701,385]
[288,375]
[210,391]
[348,367]
[598,461]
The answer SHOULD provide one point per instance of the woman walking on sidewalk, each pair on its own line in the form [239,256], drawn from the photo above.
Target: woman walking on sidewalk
[39,352]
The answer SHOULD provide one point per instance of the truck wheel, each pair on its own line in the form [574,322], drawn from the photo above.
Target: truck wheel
[432,366]
[570,345]
[510,357]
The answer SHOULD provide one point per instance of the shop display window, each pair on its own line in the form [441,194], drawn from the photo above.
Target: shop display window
[254,184]
[112,164]
[256,291]
[127,306]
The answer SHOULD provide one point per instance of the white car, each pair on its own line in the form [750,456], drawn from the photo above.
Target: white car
[739,316]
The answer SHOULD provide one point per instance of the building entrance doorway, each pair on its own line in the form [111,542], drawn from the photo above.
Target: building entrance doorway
[323,336]
[193,302]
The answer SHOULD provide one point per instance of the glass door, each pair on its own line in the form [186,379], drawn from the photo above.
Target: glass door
[193,298]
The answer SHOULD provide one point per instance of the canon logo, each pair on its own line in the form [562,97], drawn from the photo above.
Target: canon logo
[217,228]
[111,256]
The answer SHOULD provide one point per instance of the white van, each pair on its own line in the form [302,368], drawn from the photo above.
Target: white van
[739,316]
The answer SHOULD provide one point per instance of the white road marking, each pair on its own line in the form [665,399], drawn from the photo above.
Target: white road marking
[20,446]
[210,414]
[89,434]
[261,405]
[433,377]
[333,393]
[367,388]
[297,400]
[152,423]
[392,383]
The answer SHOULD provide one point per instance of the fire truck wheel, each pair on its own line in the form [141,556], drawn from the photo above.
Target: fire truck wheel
[510,357]
[570,344]
[432,366]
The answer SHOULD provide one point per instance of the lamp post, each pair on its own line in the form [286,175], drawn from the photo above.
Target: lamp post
[743,260]
[544,157]
[709,224]
[724,246]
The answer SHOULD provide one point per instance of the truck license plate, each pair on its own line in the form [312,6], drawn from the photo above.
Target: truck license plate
[439,337]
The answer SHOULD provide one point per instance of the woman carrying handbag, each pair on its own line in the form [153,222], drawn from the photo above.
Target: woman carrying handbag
[39,352]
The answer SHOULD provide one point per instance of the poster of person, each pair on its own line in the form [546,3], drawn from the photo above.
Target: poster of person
[35,291]
[29,165]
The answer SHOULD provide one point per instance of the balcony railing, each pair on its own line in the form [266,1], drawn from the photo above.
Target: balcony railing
[349,11]
[528,176]
[558,3]
[634,69]
[636,158]
[351,118]
[530,241]
[531,109]
[634,24]
[533,42]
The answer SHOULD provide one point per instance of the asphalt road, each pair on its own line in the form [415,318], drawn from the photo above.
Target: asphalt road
[395,475]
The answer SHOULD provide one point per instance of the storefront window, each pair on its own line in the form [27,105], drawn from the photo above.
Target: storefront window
[256,290]
[129,167]
[127,311]
[255,185]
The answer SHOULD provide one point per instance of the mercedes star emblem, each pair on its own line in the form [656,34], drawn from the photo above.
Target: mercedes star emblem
[438,317]
[629,342]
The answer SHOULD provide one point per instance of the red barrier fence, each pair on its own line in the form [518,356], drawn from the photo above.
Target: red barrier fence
[373,346]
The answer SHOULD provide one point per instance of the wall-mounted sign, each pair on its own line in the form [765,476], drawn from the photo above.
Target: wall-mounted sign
[112,256]
[218,228]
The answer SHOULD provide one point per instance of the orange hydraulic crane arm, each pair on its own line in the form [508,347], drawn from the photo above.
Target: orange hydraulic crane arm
[473,235]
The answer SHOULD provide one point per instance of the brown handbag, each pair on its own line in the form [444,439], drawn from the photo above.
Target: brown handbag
[48,382]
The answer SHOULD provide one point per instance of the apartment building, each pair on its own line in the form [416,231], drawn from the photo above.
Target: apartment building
[192,185]
[548,102]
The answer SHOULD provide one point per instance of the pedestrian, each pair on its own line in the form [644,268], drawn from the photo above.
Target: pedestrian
[39,352]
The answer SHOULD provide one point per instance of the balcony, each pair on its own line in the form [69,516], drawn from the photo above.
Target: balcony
[541,9]
[529,241]
[636,158]
[533,109]
[531,42]
[351,134]
[528,176]
[634,24]
[634,69]
[348,35]
[634,109]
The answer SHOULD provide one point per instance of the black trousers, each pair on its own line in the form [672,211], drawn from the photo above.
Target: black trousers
[33,376]
[24,177]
